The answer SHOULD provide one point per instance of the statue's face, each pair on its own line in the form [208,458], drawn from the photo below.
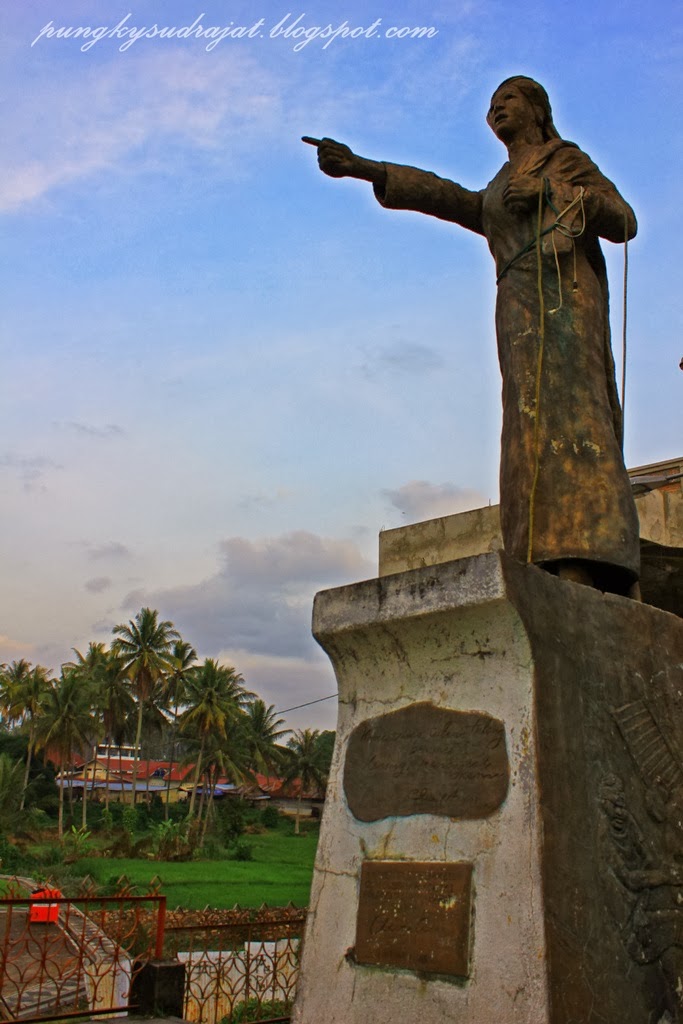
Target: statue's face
[510,114]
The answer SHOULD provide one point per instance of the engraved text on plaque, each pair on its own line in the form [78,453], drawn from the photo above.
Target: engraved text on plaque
[415,916]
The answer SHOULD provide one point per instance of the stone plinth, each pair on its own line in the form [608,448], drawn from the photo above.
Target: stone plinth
[502,835]
[440,540]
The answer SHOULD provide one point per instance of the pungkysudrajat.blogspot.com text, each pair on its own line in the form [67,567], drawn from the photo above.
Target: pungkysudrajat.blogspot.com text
[291,28]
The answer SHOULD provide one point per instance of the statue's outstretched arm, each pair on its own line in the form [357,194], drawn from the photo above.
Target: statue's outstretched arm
[403,188]
[409,188]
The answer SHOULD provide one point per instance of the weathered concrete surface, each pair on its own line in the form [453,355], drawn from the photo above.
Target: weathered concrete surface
[440,540]
[660,510]
[450,638]
[557,888]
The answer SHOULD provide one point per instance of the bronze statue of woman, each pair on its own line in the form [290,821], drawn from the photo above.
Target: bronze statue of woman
[565,496]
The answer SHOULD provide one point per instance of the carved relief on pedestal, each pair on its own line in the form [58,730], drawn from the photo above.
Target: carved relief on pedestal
[645,859]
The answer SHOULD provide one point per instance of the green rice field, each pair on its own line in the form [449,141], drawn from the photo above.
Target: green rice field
[279,873]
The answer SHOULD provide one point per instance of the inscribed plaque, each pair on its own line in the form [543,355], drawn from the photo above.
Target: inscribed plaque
[415,916]
[426,760]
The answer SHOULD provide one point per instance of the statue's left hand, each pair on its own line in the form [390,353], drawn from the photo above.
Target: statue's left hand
[521,192]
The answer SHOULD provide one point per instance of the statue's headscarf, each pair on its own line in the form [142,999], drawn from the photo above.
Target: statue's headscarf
[538,98]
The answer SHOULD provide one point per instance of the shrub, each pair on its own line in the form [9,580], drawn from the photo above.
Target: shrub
[76,844]
[142,817]
[171,840]
[129,820]
[10,857]
[156,808]
[241,851]
[270,817]
[255,1010]
[50,856]
[213,849]
[122,844]
[230,819]
[116,809]
[37,819]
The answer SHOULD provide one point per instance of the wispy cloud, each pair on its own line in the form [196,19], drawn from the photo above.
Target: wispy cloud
[403,357]
[262,500]
[108,431]
[30,469]
[97,584]
[113,550]
[419,499]
[127,115]
[136,112]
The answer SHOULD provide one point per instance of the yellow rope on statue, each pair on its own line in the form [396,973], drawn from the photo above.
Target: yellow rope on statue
[623,334]
[539,368]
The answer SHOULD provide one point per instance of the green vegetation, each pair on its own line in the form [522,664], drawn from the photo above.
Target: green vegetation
[279,873]
[149,689]
[244,861]
[253,1010]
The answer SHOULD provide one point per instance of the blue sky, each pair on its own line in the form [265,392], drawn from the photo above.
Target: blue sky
[224,373]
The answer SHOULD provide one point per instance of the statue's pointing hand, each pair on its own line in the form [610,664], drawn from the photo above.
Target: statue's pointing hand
[334,158]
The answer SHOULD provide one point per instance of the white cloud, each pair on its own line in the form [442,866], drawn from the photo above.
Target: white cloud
[263,500]
[153,107]
[97,584]
[419,499]
[112,549]
[108,431]
[402,357]
[294,557]
[29,468]
[130,110]
[260,598]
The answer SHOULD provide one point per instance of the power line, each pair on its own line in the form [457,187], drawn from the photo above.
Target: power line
[307,705]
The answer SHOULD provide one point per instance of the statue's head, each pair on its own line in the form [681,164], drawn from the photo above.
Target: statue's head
[537,99]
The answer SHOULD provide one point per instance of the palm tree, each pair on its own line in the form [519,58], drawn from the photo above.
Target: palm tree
[102,672]
[23,691]
[4,695]
[224,755]
[10,783]
[65,724]
[305,759]
[262,733]
[145,648]
[182,659]
[214,697]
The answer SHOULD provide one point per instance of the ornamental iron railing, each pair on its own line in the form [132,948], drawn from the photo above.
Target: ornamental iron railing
[73,957]
[240,965]
[62,958]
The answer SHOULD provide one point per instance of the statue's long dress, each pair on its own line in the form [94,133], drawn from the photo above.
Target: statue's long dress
[582,506]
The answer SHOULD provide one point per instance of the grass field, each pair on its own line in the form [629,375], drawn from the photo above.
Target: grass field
[279,873]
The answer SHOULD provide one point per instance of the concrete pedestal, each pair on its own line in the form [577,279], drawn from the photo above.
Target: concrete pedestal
[501,842]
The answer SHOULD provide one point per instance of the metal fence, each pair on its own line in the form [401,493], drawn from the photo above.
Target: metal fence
[240,965]
[62,958]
